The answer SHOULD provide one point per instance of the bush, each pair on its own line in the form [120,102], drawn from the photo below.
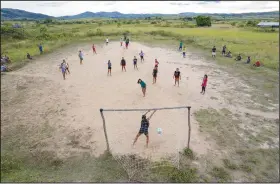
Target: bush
[99,32]
[251,23]
[202,21]
[233,24]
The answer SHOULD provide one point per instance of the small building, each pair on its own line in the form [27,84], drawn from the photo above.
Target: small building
[269,24]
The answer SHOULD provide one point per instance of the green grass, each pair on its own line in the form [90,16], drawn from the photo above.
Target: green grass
[220,174]
[244,153]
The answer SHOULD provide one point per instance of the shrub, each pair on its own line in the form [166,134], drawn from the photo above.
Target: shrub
[233,24]
[203,21]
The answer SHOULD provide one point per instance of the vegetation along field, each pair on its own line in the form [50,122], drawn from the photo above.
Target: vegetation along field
[51,129]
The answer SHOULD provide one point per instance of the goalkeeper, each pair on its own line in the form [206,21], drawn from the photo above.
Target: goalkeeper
[144,129]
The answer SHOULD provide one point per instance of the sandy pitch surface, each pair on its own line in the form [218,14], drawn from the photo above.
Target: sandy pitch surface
[72,106]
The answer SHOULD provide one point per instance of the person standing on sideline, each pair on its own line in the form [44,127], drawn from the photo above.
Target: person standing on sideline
[121,41]
[204,84]
[181,46]
[135,63]
[109,68]
[184,51]
[93,49]
[141,54]
[81,57]
[107,41]
[143,86]
[123,63]
[40,48]
[177,76]
[224,50]
[214,51]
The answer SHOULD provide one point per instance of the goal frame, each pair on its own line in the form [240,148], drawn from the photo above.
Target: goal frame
[163,108]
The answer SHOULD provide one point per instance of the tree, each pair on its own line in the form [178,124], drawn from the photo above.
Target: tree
[203,21]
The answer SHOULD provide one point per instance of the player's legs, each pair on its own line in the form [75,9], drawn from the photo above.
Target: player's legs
[136,138]
[144,92]
[147,139]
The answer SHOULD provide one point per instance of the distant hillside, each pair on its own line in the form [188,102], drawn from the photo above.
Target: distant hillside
[274,14]
[12,14]
[108,15]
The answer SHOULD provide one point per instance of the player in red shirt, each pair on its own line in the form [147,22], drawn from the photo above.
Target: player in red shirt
[93,49]
[257,64]
[204,84]
[156,63]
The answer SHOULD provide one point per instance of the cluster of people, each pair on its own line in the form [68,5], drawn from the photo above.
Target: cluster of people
[4,61]
[64,66]
[238,57]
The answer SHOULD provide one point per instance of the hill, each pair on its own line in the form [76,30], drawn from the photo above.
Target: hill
[12,14]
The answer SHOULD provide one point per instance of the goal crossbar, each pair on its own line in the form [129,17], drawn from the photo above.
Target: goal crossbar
[163,108]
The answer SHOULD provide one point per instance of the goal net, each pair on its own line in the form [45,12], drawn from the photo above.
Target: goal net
[163,149]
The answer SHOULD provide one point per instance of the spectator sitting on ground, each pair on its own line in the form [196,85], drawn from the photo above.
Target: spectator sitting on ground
[238,58]
[229,54]
[257,64]
[248,60]
[4,68]
[5,59]
[28,56]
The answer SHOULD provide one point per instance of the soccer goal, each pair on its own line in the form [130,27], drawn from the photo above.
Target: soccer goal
[120,128]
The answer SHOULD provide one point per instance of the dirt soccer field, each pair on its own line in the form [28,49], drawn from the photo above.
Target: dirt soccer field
[42,112]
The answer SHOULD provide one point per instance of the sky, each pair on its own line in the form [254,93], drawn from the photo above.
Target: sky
[62,8]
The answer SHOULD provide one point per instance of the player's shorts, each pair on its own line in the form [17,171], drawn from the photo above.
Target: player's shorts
[141,57]
[109,68]
[123,64]
[213,53]
[144,131]
[176,78]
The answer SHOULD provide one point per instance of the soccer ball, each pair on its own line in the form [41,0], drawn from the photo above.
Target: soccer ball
[159,131]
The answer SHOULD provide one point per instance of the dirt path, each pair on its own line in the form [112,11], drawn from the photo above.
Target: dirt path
[37,94]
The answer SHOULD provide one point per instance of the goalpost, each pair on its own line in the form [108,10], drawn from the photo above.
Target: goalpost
[133,164]
[163,108]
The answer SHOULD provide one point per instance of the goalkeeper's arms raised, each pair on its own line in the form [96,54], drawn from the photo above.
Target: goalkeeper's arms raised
[151,115]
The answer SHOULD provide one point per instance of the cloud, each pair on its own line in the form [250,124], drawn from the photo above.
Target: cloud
[62,8]
[52,4]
